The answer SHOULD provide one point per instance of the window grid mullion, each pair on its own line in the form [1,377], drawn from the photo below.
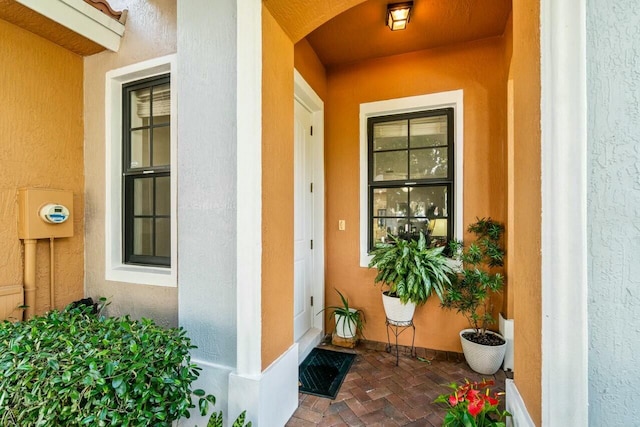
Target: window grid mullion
[447,182]
[130,175]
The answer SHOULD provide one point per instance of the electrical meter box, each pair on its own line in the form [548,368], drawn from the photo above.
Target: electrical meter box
[44,213]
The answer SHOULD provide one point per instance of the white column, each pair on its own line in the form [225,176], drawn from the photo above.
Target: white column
[249,187]
[564,214]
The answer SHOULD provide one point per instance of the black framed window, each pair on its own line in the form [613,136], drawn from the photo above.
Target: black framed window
[146,172]
[411,176]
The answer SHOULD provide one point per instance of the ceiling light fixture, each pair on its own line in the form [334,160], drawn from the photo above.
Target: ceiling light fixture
[398,15]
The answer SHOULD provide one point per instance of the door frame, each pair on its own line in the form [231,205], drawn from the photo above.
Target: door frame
[304,94]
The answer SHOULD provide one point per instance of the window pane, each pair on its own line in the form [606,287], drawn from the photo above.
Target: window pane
[163,237]
[382,227]
[390,135]
[143,196]
[402,227]
[429,163]
[429,132]
[163,196]
[161,104]
[390,166]
[140,148]
[429,202]
[161,140]
[143,236]
[390,202]
[140,108]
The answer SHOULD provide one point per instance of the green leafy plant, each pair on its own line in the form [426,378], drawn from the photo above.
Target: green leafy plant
[470,291]
[350,317]
[410,269]
[473,405]
[74,368]
[216,420]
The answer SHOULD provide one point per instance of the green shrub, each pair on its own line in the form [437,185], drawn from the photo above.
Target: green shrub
[74,368]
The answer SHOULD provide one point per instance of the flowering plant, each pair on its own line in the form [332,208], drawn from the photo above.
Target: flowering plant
[472,405]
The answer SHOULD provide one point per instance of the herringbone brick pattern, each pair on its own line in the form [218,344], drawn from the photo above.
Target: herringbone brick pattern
[376,392]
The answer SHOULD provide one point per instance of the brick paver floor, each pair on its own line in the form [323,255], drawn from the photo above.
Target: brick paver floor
[376,392]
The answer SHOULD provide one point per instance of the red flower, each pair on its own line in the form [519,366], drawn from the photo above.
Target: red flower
[454,400]
[475,407]
[474,399]
[492,401]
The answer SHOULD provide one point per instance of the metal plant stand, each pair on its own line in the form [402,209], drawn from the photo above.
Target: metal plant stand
[397,328]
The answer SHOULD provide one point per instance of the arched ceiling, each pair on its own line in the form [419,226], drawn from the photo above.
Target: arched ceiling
[299,17]
[342,31]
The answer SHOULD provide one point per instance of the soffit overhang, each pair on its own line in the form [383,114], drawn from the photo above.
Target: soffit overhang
[83,27]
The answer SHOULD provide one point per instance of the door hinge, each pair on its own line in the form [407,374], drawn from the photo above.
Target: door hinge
[312,187]
[311,301]
[311,131]
[311,243]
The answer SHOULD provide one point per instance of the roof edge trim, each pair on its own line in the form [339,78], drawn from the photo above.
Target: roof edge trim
[81,18]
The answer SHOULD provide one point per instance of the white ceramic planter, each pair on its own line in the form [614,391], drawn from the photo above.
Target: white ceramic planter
[397,311]
[484,359]
[346,328]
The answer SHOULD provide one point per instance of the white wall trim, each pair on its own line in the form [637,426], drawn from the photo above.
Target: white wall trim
[249,191]
[409,104]
[516,407]
[81,18]
[564,213]
[115,269]
[310,99]
[269,398]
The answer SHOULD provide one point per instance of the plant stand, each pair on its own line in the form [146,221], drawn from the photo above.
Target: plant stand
[396,329]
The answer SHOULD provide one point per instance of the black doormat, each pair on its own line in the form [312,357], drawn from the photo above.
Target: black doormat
[323,371]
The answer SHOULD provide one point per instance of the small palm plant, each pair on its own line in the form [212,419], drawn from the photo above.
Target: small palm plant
[348,319]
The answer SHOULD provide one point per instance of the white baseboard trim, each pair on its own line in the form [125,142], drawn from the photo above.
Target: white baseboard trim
[307,343]
[213,379]
[269,398]
[515,405]
[506,330]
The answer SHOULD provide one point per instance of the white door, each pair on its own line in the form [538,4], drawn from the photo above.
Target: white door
[302,222]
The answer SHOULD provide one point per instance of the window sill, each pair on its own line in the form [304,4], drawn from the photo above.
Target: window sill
[143,275]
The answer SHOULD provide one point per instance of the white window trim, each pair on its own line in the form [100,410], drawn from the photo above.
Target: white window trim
[452,99]
[115,269]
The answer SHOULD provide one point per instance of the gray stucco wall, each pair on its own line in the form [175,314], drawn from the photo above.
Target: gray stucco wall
[207,141]
[150,33]
[613,73]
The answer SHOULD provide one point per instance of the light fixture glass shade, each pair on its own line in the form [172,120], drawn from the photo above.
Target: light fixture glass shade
[398,15]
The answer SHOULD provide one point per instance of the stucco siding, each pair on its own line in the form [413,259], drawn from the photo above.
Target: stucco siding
[613,61]
[150,33]
[40,146]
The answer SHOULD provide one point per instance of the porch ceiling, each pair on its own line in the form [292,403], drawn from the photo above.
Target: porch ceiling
[360,32]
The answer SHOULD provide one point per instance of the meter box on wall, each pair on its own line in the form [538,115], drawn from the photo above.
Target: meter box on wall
[44,213]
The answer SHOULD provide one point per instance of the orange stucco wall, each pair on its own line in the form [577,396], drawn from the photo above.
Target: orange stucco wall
[277,190]
[41,145]
[310,68]
[525,71]
[478,69]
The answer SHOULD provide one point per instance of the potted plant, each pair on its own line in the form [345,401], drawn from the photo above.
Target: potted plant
[470,291]
[473,405]
[349,321]
[412,271]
